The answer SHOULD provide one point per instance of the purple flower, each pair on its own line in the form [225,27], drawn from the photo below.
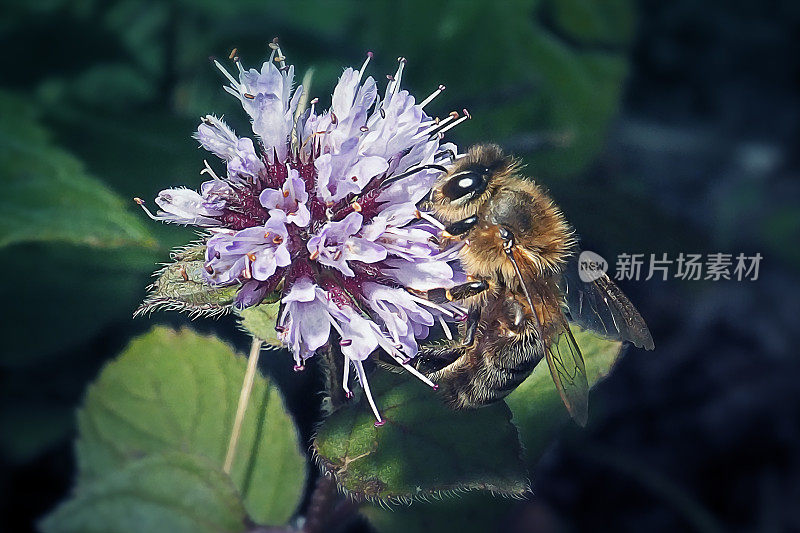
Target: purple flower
[291,199]
[323,208]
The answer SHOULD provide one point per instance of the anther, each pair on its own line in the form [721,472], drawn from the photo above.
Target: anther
[233,53]
[433,95]
[466,116]
[337,255]
[379,423]
[345,342]
[299,368]
[314,255]
[286,194]
[354,178]
[277,239]
[251,256]
[348,394]
[334,120]
[144,207]
[356,207]
[249,96]
[364,129]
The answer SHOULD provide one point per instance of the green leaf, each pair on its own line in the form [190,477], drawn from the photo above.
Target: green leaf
[259,321]
[425,449]
[178,391]
[539,414]
[536,404]
[172,492]
[181,286]
[47,195]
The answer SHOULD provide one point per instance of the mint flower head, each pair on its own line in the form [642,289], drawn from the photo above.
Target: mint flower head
[322,208]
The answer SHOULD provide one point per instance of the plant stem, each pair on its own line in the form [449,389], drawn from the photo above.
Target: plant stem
[244,398]
[333,368]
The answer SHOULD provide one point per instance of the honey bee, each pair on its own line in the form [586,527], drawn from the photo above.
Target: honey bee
[523,290]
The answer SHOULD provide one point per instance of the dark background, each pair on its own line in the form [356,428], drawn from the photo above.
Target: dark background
[658,126]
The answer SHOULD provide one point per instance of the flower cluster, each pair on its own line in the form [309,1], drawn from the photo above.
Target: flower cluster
[322,207]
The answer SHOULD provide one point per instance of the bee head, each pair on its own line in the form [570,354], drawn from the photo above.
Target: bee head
[463,190]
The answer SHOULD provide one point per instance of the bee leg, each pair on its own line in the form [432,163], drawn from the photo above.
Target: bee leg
[460,227]
[466,290]
[459,292]
[431,359]
[472,326]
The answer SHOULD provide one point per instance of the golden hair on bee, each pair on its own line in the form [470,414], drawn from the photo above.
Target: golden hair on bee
[486,189]
[514,248]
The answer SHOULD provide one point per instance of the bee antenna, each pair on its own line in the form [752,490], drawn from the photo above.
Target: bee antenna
[413,171]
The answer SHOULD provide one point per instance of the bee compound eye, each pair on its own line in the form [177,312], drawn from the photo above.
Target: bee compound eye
[468,182]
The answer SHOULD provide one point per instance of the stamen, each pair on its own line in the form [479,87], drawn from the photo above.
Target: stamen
[314,255]
[433,95]
[431,304]
[251,256]
[356,207]
[337,255]
[233,53]
[277,50]
[466,116]
[439,125]
[394,83]
[446,328]
[141,204]
[429,218]
[362,378]
[227,74]
[299,368]
[346,379]
[210,171]
[363,68]
[277,239]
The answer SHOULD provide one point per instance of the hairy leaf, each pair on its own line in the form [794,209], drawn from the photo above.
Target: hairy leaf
[171,492]
[259,321]
[539,413]
[425,449]
[537,407]
[179,391]
[181,286]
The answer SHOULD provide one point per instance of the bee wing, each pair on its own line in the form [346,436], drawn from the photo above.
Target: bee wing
[564,357]
[565,360]
[602,307]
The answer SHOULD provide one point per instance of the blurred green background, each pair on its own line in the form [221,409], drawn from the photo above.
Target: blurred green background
[659,127]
